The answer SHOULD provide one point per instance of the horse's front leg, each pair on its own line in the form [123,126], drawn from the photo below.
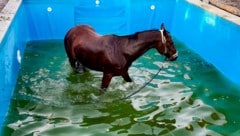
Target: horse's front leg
[126,77]
[107,77]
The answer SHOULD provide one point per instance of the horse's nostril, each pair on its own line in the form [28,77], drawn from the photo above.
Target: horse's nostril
[174,57]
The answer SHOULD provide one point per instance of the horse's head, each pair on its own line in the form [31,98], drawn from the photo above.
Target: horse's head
[166,45]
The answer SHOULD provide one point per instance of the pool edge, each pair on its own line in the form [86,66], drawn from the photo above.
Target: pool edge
[7,15]
[215,10]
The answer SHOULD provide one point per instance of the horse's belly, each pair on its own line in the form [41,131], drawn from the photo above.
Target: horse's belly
[100,59]
[93,66]
[103,67]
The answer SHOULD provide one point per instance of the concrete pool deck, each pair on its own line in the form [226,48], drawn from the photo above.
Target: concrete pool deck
[220,8]
[7,13]
[232,6]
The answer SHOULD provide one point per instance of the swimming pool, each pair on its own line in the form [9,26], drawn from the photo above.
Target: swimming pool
[47,20]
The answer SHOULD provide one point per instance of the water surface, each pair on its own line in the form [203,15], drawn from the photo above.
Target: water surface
[188,97]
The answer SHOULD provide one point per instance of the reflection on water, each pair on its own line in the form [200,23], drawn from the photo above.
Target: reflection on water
[50,99]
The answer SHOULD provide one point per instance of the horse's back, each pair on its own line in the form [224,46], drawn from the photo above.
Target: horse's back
[81,32]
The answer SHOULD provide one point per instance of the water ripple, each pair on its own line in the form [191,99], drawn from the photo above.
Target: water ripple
[50,99]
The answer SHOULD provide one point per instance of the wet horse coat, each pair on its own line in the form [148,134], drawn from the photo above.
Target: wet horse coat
[112,54]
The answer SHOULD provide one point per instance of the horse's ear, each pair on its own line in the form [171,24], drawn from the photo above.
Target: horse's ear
[162,27]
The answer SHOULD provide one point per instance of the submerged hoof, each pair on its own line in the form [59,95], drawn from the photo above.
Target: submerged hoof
[102,91]
[78,70]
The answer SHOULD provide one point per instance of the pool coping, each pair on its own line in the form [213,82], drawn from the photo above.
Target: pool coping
[7,15]
[215,10]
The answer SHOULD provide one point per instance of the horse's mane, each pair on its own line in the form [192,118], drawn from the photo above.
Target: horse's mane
[126,39]
[135,35]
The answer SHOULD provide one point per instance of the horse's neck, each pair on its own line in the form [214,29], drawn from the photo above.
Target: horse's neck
[142,44]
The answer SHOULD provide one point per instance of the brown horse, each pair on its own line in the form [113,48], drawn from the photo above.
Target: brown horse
[112,54]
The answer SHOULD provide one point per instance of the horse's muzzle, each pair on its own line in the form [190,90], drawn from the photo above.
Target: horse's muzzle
[174,56]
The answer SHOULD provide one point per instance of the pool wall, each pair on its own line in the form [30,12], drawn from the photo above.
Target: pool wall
[117,17]
[12,43]
[212,37]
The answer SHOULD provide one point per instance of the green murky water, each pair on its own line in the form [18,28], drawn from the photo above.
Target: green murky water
[189,97]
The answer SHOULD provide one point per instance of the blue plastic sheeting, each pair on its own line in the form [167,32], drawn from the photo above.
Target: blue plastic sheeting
[212,37]
[51,20]
[13,42]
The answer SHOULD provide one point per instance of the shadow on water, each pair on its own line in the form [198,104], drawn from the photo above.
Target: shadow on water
[50,99]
